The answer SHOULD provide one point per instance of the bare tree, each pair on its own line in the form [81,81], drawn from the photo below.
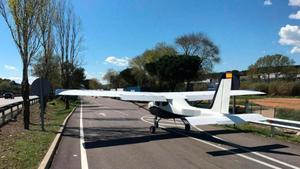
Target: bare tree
[69,41]
[21,17]
[45,25]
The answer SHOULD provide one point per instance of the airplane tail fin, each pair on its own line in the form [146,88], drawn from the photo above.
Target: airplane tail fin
[221,99]
[220,106]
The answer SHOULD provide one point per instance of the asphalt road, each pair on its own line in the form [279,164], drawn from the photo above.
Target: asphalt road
[112,134]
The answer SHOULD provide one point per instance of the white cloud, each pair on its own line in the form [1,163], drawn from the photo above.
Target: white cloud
[295,16]
[295,49]
[290,35]
[117,61]
[294,2]
[10,68]
[267,2]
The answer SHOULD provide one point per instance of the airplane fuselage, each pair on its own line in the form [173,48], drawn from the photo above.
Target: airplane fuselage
[176,108]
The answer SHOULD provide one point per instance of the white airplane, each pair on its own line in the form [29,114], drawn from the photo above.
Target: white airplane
[174,104]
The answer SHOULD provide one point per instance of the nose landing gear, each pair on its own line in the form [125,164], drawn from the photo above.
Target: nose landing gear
[156,125]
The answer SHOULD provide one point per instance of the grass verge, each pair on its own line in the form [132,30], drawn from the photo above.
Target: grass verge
[265,131]
[288,114]
[26,148]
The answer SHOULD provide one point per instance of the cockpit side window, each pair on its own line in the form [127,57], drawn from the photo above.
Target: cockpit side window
[164,103]
[156,103]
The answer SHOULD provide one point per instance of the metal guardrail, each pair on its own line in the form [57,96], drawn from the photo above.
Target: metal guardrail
[9,112]
[279,123]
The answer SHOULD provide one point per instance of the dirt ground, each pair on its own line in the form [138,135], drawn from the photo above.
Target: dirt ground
[289,103]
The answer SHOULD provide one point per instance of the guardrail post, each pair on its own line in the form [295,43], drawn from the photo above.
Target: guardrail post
[260,109]
[11,112]
[3,116]
[272,131]
[18,108]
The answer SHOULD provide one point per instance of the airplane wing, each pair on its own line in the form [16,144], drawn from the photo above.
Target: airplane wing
[154,96]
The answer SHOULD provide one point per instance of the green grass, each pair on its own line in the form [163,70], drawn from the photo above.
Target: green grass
[287,114]
[28,147]
[265,131]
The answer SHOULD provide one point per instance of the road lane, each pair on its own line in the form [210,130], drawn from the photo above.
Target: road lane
[122,140]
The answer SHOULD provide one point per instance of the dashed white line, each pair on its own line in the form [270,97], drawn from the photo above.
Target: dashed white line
[84,163]
[102,114]
[125,114]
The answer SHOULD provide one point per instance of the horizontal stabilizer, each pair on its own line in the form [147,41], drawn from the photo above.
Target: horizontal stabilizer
[224,119]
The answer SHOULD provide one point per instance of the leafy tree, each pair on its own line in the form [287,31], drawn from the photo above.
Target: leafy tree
[111,76]
[22,17]
[198,44]
[128,78]
[92,84]
[78,78]
[47,68]
[138,63]
[175,69]
[276,64]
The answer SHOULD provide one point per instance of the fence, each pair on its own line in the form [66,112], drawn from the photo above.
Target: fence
[10,112]
[276,117]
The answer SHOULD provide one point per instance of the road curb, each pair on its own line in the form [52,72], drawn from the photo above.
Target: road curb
[45,164]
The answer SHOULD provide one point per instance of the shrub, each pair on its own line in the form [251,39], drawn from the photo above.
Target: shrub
[263,87]
[296,89]
[281,88]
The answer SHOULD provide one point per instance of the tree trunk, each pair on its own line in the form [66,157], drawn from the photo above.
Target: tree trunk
[67,102]
[189,86]
[25,95]
[67,87]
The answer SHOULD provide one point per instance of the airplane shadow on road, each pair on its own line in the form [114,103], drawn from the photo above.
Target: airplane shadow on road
[235,148]
[112,119]
[99,137]
[117,136]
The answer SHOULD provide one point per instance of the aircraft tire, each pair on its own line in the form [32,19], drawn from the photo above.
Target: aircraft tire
[152,129]
[187,127]
[156,125]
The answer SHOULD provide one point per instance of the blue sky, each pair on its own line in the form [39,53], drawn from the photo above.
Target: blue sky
[117,30]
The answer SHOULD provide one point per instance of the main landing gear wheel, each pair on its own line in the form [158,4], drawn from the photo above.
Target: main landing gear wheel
[156,125]
[187,127]
[152,129]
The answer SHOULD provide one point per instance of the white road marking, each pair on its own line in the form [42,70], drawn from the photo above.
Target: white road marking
[103,107]
[84,163]
[222,148]
[102,114]
[256,153]
[125,114]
